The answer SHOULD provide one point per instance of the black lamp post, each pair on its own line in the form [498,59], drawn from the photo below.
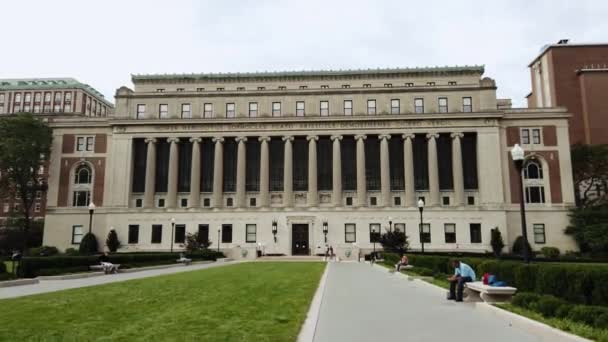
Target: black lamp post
[275,230]
[325,229]
[390,224]
[172,230]
[218,239]
[517,153]
[421,209]
[91,212]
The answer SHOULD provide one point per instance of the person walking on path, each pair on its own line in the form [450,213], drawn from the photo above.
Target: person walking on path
[463,273]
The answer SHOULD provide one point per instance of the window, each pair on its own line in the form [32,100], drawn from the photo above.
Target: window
[81,198]
[141,111]
[180,89]
[208,110]
[397,201]
[533,170]
[373,201]
[157,233]
[139,203]
[348,107]
[230,110]
[535,194]
[539,233]
[226,233]
[445,200]
[426,233]
[443,105]
[160,90]
[261,88]
[525,136]
[83,175]
[7,207]
[467,104]
[419,106]
[374,232]
[349,201]
[2,98]
[475,229]
[303,87]
[371,107]
[367,85]
[161,202]
[17,98]
[300,108]
[183,202]
[399,227]
[37,208]
[324,108]
[471,200]
[450,232]
[350,233]
[206,202]
[282,87]
[186,113]
[200,89]
[409,84]
[163,111]
[133,234]
[229,202]
[388,85]
[67,97]
[38,194]
[250,233]
[276,109]
[85,143]
[430,83]
[57,108]
[77,234]
[395,104]
[346,86]
[90,143]
[220,89]
[28,97]
[534,182]
[180,233]
[57,97]
[536,136]
[252,202]
[67,108]
[324,86]
[451,82]
[203,233]
[240,88]
[253,109]
[47,97]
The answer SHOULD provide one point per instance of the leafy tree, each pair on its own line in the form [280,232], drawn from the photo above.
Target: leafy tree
[518,246]
[88,244]
[11,235]
[394,241]
[590,173]
[112,241]
[589,228]
[496,241]
[25,144]
[195,242]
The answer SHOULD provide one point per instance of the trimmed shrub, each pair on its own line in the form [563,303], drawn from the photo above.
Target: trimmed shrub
[525,300]
[586,314]
[496,241]
[550,252]
[518,246]
[71,251]
[548,305]
[601,321]
[563,311]
[43,251]
[112,241]
[2,267]
[88,244]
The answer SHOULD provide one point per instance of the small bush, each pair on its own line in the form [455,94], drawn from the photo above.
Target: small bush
[586,314]
[43,251]
[601,321]
[525,300]
[112,241]
[2,267]
[71,251]
[550,252]
[548,305]
[518,246]
[88,244]
[496,241]
[563,311]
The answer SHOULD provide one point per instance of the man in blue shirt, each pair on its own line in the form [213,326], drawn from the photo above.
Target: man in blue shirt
[463,273]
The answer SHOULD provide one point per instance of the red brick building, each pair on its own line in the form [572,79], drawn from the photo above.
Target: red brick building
[574,76]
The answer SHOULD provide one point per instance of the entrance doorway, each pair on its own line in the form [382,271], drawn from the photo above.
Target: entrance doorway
[299,239]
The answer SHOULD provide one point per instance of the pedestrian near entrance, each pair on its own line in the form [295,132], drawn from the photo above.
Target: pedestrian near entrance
[463,273]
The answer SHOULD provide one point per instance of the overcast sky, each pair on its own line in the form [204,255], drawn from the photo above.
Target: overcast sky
[103,42]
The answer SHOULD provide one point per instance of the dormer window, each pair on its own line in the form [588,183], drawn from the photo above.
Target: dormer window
[180,89]
[346,86]
[282,87]
[324,86]
[261,88]
[220,89]
[240,88]
[452,83]
[303,87]
[367,85]
[200,89]
[388,85]
[409,84]
[430,83]
[160,90]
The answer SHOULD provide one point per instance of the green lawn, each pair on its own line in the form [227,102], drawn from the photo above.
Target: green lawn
[243,302]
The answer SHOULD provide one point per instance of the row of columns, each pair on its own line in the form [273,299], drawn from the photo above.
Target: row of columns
[312,197]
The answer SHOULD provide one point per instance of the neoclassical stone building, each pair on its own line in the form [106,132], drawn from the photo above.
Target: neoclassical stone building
[317,157]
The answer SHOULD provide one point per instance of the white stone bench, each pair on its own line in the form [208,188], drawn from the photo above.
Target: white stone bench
[100,268]
[477,292]
[184,261]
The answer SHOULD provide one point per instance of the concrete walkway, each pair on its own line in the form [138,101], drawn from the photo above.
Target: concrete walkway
[58,285]
[365,303]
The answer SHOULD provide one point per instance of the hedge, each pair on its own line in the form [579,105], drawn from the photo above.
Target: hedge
[2,267]
[577,283]
[30,267]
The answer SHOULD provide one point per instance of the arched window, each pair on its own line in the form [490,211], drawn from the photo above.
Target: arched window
[534,183]
[82,185]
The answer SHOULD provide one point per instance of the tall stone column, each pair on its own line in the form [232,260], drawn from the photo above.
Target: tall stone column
[457,172]
[288,172]
[336,185]
[433,169]
[173,164]
[385,172]
[408,172]
[218,169]
[313,194]
[150,173]
[241,171]
[195,174]
[361,183]
[264,171]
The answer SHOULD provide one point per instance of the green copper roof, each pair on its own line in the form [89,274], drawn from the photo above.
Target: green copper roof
[48,83]
[475,69]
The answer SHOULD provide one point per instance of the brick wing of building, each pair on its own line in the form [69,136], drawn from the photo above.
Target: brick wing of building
[349,153]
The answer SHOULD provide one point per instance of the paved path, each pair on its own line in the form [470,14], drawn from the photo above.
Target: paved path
[58,285]
[365,303]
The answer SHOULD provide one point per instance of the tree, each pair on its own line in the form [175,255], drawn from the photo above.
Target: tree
[496,241]
[88,244]
[112,241]
[196,242]
[394,241]
[25,145]
[590,173]
[589,228]
[518,246]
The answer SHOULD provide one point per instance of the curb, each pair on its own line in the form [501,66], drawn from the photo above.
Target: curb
[18,282]
[307,333]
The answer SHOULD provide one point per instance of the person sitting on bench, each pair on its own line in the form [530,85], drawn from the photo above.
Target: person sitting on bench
[106,265]
[403,262]
[463,273]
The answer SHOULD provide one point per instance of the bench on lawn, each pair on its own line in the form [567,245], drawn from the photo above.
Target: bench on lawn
[394,270]
[100,267]
[185,261]
[477,292]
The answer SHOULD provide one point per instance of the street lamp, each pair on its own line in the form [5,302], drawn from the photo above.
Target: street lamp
[91,211]
[421,208]
[390,224]
[172,229]
[325,229]
[275,230]
[218,240]
[517,153]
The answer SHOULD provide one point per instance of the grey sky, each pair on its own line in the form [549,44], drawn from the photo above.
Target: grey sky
[103,42]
